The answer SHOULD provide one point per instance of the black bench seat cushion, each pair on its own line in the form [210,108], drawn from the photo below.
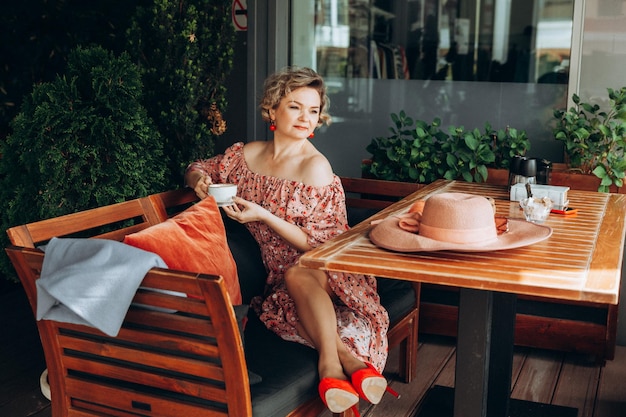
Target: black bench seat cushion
[396,296]
[288,371]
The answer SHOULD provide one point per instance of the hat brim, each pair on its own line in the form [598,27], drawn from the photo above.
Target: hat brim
[389,235]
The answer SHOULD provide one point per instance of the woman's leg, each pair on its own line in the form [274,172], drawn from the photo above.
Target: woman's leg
[318,322]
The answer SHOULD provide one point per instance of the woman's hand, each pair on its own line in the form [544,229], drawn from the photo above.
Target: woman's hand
[202,186]
[245,211]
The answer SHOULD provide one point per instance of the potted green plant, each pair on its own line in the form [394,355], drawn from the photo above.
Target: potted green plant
[594,139]
[467,154]
[417,151]
[507,143]
[412,153]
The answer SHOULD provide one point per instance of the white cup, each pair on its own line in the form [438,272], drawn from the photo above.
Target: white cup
[223,193]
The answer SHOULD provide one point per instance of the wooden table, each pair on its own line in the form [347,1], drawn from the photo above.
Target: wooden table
[581,261]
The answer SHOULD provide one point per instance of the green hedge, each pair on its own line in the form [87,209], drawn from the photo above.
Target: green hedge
[81,141]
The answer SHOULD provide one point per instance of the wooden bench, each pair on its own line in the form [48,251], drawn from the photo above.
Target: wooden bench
[184,364]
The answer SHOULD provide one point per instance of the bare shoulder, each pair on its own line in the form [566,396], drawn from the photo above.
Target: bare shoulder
[316,170]
[255,147]
[252,152]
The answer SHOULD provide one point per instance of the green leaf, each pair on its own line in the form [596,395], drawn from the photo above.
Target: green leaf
[600,171]
[471,142]
[483,172]
[451,160]
[606,181]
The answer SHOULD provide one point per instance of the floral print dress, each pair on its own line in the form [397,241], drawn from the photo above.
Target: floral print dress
[320,211]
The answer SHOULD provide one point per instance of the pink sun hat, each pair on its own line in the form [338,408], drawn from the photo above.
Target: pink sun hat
[455,222]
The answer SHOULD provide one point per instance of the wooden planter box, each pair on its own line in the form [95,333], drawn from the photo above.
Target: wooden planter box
[497,176]
[561,175]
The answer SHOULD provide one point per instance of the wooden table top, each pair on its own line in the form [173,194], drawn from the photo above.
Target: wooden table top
[581,261]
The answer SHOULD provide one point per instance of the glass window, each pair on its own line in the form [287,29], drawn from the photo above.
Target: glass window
[467,62]
[464,40]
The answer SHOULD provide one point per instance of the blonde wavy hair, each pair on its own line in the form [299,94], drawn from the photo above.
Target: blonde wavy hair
[283,82]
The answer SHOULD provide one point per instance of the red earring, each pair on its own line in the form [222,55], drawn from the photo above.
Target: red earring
[312,135]
[272,125]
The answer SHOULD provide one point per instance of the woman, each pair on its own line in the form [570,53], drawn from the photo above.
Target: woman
[291,201]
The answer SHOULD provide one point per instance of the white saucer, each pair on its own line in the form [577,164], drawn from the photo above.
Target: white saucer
[44,385]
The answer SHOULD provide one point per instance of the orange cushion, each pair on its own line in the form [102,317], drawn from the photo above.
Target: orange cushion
[193,241]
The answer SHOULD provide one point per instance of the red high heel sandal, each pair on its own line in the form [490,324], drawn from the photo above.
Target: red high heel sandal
[338,395]
[371,385]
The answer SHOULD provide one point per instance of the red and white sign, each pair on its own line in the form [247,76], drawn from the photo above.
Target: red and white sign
[240,14]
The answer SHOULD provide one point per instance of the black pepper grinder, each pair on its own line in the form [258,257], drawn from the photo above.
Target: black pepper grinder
[528,170]
[544,169]
[514,167]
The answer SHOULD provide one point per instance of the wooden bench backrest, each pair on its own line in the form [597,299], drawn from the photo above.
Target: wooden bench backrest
[121,219]
[188,363]
[375,194]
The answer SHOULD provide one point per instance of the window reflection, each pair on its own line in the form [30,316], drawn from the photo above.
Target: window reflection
[524,41]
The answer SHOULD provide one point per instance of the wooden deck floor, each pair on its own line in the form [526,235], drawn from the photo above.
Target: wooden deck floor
[538,375]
